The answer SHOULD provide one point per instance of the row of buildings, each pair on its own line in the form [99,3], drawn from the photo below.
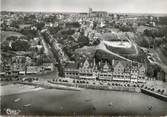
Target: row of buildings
[21,65]
[118,70]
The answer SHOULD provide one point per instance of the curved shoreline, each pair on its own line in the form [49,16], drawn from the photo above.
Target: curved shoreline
[21,87]
[17,89]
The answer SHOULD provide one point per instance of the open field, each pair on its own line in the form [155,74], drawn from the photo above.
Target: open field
[121,51]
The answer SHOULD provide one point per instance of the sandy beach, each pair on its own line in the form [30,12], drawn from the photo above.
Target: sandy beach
[57,102]
[16,89]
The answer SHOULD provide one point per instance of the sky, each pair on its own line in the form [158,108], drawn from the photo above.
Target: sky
[113,6]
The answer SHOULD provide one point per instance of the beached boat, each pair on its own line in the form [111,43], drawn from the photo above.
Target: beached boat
[110,104]
[88,100]
[18,99]
[27,105]
[36,87]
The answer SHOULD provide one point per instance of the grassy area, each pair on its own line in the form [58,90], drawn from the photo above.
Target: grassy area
[5,34]
[86,50]
[122,50]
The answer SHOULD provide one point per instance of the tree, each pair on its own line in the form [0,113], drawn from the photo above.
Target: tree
[68,32]
[11,38]
[82,40]
[96,42]
[29,33]
[51,18]
[20,45]
[5,46]
[164,49]
[73,24]
[152,70]
[39,25]
[54,30]
[15,24]
[163,20]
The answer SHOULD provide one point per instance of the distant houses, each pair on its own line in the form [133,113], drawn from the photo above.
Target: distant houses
[118,70]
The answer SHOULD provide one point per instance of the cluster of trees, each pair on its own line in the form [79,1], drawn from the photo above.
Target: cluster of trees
[5,46]
[72,25]
[28,19]
[54,30]
[150,42]
[39,25]
[29,33]
[164,48]
[68,32]
[20,45]
[151,38]
[15,44]
[82,40]
[42,58]
[15,24]
[51,18]
[124,28]
[154,33]
[152,70]
[163,20]
[70,45]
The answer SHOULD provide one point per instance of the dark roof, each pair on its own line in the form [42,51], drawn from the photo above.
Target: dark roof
[135,64]
[72,65]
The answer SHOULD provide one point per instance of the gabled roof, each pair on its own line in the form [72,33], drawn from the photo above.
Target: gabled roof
[101,65]
[141,65]
[135,64]
[91,62]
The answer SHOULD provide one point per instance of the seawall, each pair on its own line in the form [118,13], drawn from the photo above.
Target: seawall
[154,94]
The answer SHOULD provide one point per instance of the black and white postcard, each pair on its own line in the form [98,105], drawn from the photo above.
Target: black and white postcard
[83,58]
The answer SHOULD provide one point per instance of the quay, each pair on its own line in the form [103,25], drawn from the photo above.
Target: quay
[99,87]
[154,94]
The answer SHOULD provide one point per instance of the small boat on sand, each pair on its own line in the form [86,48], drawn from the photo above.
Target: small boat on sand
[110,104]
[27,105]
[18,99]
[87,100]
[149,107]
[94,108]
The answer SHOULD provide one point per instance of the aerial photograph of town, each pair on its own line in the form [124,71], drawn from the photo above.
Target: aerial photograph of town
[83,58]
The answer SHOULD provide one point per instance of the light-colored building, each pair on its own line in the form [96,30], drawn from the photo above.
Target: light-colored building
[119,70]
[71,70]
[141,73]
[105,72]
[48,66]
[33,69]
[134,72]
[87,70]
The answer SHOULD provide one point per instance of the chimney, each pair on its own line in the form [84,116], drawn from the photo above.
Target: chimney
[113,62]
[94,62]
